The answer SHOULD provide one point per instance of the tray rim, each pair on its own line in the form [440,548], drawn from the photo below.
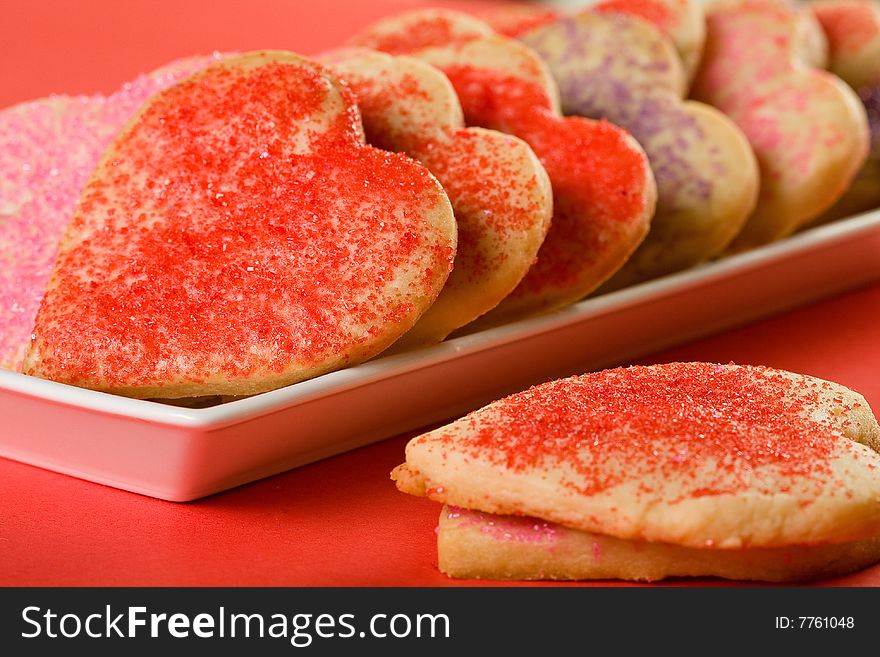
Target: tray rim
[242,410]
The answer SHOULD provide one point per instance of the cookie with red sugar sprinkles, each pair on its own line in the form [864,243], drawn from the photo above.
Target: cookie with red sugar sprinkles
[238,236]
[677,469]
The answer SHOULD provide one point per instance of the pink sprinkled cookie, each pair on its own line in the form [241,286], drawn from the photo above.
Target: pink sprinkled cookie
[853,31]
[51,147]
[498,189]
[649,472]
[807,127]
[622,69]
[238,235]
[477,545]
[603,190]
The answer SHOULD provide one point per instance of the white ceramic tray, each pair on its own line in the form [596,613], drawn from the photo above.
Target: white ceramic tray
[182,454]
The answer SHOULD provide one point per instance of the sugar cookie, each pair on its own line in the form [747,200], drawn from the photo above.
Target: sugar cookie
[807,127]
[689,455]
[50,147]
[604,192]
[853,31]
[237,236]
[623,69]
[499,191]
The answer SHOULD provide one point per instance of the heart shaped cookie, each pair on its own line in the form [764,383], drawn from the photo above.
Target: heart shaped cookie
[808,129]
[603,190]
[498,189]
[724,460]
[51,147]
[623,69]
[238,236]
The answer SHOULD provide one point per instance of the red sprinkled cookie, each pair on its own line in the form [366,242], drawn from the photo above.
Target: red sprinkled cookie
[686,456]
[604,192]
[807,127]
[238,236]
[499,191]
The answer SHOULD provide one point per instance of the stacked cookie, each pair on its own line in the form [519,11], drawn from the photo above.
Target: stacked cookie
[685,469]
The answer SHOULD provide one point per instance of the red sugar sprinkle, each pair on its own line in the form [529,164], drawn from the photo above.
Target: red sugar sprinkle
[235,233]
[389,123]
[477,175]
[503,102]
[663,421]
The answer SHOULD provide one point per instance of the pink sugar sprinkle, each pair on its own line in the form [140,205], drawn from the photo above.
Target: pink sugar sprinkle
[506,528]
[50,148]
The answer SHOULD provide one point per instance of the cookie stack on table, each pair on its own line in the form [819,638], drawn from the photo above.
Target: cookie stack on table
[684,469]
[231,224]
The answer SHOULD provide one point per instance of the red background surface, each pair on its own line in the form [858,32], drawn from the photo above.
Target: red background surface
[340,521]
